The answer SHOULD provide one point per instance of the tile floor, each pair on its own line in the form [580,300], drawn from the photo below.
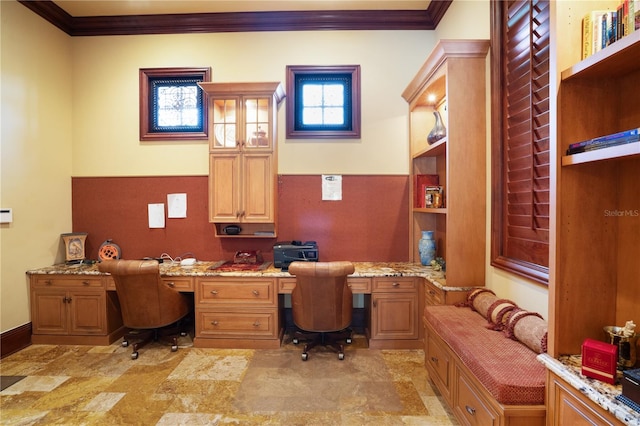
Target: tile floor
[102,385]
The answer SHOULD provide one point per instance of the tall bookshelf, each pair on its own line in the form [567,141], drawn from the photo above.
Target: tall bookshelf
[452,81]
[595,279]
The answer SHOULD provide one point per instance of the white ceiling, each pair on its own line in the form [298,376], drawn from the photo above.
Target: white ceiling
[81,8]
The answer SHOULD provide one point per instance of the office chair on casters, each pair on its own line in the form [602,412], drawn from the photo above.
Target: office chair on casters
[322,304]
[148,306]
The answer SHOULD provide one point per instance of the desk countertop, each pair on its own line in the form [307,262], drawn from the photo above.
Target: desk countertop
[202,269]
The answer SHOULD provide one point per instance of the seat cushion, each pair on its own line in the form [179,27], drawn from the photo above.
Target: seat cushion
[507,368]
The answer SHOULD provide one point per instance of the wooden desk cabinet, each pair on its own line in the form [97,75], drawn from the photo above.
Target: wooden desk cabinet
[568,406]
[73,310]
[238,312]
[395,308]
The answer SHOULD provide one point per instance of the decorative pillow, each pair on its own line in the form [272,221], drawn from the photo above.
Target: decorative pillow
[497,313]
[480,299]
[529,328]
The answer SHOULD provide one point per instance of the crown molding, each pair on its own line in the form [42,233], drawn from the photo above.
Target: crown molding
[240,21]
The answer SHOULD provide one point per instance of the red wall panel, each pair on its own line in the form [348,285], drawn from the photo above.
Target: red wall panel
[369,224]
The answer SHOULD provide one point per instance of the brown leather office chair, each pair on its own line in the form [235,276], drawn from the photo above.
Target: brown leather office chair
[322,304]
[148,305]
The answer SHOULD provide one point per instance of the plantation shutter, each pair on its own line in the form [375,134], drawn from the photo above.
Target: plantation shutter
[524,233]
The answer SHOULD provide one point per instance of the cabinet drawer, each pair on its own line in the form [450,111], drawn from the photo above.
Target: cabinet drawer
[432,294]
[394,284]
[67,282]
[359,285]
[471,407]
[241,292]
[286,285]
[179,283]
[255,324]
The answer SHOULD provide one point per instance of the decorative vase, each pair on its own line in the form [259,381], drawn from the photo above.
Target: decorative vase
[439,131]
[427,248]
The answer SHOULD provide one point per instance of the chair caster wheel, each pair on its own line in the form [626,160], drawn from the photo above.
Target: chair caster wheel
[305,356]
[125,344]
[295,341]
[349,340]
[174,348]
[134,355]
[340,356]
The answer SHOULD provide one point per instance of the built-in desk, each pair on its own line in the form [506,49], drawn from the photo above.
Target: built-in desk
[237,309]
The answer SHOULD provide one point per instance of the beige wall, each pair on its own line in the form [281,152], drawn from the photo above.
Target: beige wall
[105,97]
[36,123]
[70,108]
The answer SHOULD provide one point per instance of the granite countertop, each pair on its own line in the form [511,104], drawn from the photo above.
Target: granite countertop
[568,367]
[206,269]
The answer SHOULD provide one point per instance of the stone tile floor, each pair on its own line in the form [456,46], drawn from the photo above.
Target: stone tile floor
[102,385]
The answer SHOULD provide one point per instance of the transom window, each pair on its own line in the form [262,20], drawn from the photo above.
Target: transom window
[172,106]
[324,102]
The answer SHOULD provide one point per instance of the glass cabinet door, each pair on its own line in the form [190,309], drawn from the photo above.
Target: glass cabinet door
[256,118]
[225,124]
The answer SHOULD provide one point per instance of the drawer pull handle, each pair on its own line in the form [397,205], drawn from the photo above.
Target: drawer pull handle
[214,323]
[48,282]
[470,410]
[256,293]
[256,324]
[171,284]
[85,283]
[67,299]
[214,292]
[434,359]
[396,284]
[431,292]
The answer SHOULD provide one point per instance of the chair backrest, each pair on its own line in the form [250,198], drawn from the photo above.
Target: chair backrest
[146,302]
[321,300]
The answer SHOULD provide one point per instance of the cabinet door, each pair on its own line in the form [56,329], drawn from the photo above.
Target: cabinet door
[257,113]
[567,407]
[394,316]
[224,112]
[224,188]
[257,205]
[87,312]
[49,311]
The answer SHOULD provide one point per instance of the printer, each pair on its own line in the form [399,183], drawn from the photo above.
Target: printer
[285,252]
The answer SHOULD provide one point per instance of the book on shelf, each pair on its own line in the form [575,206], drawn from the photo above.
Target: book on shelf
[620,138]
[421,182]
[601,28]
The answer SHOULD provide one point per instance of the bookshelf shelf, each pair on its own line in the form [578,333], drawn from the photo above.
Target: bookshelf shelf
[434,150]
[441,210]
[612,153]
[617,59]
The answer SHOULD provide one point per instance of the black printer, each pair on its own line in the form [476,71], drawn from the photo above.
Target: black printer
[285,252]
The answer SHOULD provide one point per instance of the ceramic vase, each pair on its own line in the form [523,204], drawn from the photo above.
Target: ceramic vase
[439,131]
[427,248]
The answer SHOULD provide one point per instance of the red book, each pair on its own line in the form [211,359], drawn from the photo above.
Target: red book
[599,360]
[422,181]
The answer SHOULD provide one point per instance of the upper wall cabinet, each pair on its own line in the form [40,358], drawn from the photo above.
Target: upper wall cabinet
[451,82]
[242,157]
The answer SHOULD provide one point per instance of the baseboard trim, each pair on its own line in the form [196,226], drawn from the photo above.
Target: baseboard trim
[13,340]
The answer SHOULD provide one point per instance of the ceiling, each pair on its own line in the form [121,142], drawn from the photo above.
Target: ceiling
[154,7]
[131,17]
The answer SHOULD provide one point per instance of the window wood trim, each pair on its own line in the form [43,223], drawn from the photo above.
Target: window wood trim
[500,257]
[146,76]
